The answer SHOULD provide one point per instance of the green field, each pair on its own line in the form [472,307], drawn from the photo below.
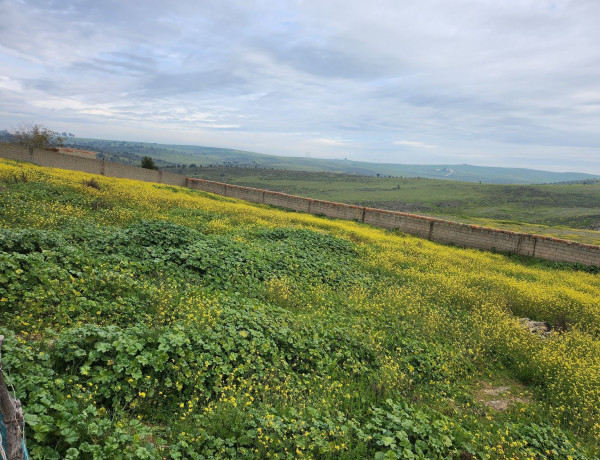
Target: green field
[146,321]
[569,211]
[504,199]
[170,155]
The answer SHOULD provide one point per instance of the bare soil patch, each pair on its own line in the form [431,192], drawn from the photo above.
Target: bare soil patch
[501,397]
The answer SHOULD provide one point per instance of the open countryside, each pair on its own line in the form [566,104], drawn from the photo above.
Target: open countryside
[170,155]
[567,206]
[321,230]
[150,321]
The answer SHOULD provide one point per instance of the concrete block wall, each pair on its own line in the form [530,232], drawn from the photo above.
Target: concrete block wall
[442,231]
[52,159]
[470,236]
[253,195]
[15,152]
[568,251]
[336,210]
[207,186]
[283,200]
[173,179]
[407,223]
[131,172]
[62,160]
[479,237]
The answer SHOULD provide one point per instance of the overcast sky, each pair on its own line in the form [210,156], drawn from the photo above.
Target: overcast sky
[485,82]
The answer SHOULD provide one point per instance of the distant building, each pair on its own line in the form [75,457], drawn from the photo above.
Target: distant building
[76,152]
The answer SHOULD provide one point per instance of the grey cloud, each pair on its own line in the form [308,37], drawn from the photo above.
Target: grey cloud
[162,84]
[113,65]
[468,76]
[323,61]
[47,86]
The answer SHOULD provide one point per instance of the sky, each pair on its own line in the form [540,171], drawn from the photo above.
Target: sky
[484,82]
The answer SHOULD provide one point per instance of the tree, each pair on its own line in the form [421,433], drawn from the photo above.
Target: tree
[35,136]
[148,163]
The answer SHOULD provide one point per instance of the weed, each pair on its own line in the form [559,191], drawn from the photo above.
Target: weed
[92,183]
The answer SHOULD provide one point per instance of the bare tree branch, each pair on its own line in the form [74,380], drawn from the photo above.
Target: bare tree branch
[35,136]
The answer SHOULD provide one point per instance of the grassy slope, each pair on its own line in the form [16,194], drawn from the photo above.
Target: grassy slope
[147,321]
[187,154]
[559,210]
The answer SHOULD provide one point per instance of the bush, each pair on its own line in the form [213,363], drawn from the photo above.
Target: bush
[148,163]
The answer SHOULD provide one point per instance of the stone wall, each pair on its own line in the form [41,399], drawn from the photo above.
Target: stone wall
[470,236]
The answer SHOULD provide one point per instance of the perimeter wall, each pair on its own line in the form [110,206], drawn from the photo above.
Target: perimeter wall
[90,165]
[439,230]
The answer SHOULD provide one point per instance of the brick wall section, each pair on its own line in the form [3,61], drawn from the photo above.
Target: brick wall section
[253,195]
[90,165]
[442,231]
[408,223]
[283,200]
[65,161]
[338,210]
[76,152]
[15,152]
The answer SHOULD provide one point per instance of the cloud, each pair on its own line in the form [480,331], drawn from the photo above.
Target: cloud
[477,80]
[415,144]
[331,142]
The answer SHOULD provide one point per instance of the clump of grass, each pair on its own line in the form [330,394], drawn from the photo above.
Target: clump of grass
[93,183]
[99,204]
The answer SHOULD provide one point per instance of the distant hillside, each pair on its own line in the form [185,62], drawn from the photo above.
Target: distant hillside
[168,155]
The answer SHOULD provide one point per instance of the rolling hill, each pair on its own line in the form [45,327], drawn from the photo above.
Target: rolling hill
[132,152]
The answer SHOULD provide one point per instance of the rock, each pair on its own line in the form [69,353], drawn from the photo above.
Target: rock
[541,328]
[501,397]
